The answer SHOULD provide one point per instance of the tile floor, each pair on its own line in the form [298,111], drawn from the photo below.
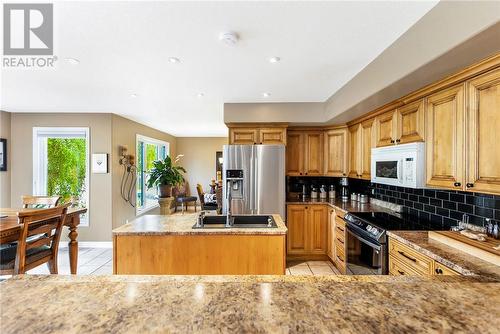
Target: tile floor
[91,261]
[311,268]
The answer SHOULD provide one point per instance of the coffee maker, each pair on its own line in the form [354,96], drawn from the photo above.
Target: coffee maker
[344,189]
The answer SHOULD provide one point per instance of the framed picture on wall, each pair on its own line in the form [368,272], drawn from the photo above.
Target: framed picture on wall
[3,154]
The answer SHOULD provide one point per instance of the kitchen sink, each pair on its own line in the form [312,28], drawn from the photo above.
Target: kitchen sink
[247,221]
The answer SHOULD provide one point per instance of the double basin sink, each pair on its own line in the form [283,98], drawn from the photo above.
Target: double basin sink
[248,221]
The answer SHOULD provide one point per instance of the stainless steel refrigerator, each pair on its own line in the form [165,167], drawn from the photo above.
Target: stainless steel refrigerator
[261,188]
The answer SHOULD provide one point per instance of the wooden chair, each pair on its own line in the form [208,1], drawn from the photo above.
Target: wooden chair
[182,197]
[201,195]
[40,201]
[38,241]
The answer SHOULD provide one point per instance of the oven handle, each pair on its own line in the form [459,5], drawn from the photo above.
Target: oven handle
[369,243]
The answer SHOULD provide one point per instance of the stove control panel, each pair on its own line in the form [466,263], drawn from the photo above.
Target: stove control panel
[373,230]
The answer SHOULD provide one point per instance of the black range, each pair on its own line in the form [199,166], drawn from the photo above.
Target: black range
[367,251]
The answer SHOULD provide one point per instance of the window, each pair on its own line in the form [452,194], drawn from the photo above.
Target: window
[148,150]
[61,164]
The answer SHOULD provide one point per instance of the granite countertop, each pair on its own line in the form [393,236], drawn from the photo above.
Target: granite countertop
[453,258]
[255,304]
[350,206]
[182,225]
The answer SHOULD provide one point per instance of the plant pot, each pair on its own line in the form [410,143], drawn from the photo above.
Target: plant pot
[165,190]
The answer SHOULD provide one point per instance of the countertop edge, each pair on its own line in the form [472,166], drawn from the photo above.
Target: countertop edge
[432,255]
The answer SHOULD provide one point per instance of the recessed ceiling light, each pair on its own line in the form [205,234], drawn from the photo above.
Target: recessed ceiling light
[200,94]
[72,61]
[274,59]
[174,60]
[133,95]
[266,94]
[229,38]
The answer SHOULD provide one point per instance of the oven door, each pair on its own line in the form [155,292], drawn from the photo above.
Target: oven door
[364,257]
[387,170]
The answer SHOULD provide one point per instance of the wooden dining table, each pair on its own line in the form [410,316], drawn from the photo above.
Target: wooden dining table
[10,230]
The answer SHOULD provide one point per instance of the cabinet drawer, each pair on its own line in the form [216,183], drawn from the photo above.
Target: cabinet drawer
[396,268]
[340,250]
[411,258]
[440,269]
[340,260]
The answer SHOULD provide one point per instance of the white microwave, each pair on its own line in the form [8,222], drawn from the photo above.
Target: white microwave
[399,165]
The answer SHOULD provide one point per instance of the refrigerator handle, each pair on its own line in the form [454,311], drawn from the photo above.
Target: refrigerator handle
[256,180]
[251,190]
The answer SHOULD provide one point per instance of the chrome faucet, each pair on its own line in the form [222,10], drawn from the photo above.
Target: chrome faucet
[199,221]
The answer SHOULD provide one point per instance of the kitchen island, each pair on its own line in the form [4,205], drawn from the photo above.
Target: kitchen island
[249,304]
[169,245]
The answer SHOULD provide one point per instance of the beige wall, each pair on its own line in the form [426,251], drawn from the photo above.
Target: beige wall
[99,228]
[199,159]
[124,133]
[5,176]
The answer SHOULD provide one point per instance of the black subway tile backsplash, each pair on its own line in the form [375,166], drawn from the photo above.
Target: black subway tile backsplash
[440,206]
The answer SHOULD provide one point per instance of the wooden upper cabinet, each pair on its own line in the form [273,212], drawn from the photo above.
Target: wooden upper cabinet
[295,154]
[313,153]
[243,136]
[444,137]
[410,122]
[248,135]
[366,148]
[336,153]
[318,227]
[483,126]
[386,128]
[355,151]
[273,136]
[296,221]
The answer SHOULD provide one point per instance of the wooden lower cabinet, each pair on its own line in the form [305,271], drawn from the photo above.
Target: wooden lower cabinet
[330,246]
[201,254]
[307,231]
[340,239]
[404,260]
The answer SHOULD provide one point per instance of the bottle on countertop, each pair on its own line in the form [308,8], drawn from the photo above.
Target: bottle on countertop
[489,227]
[322,192]
[495,231]
[331,193]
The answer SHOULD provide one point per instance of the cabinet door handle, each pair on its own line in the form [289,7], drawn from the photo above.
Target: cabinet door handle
[340,241]
[306,207]
[439,271]
[457,184]
[392,141]
[306,173]
[401,272]
[406,256]
[470,185]
[343,174]
[398,140]
[300,173]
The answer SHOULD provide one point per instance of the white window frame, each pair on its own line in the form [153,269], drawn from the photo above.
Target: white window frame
[40,165]
[141,138]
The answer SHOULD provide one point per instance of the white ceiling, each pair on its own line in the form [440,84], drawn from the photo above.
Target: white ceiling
[123,48]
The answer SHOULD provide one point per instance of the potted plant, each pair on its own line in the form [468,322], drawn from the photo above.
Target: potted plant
[165,174]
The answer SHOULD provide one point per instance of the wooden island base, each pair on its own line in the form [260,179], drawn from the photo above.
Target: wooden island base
[199,254]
